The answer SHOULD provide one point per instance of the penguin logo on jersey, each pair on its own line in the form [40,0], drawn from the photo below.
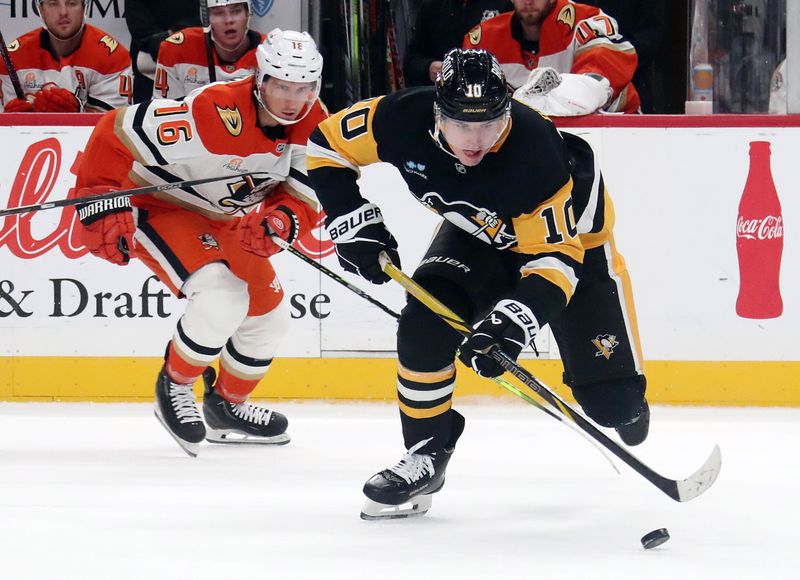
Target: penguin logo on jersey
[231,118]
[605,343]
[480,222]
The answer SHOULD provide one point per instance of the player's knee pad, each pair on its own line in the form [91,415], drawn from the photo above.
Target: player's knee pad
[217,303]
[258,337]
[425,342]
[612,403]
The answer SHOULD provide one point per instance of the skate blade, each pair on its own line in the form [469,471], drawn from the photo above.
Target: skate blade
[191,449]
[230,437]
[419,506]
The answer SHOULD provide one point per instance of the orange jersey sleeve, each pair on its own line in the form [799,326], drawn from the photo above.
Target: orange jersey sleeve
[106,159]
[574,38]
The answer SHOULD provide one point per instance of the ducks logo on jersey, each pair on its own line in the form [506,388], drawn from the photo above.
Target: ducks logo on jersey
[231,118]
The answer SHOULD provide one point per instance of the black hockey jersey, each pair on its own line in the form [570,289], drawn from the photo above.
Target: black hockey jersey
[521,197]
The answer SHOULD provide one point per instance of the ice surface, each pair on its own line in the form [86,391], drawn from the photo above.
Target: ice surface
[101,491]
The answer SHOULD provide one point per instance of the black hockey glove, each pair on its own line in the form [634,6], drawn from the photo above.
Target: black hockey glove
[360,237]
[510,326]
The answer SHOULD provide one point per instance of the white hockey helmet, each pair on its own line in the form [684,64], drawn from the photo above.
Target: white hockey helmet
[215,3]
[290,56]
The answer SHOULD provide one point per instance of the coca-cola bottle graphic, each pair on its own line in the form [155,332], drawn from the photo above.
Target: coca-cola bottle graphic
[759,240]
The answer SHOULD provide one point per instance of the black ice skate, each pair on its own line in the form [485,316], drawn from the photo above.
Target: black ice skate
[636,431]
[240,422]
[178,413]
[405,490]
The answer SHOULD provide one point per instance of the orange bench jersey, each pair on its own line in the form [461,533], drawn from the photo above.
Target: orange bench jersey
[574,38]
[183,64]
[98,73]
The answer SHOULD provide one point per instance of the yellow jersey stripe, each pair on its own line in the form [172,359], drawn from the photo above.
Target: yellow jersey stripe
[426,413]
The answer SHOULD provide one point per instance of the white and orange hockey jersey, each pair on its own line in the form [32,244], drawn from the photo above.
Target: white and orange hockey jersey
[574,38]
[183,63]
[98,73]
[213,133]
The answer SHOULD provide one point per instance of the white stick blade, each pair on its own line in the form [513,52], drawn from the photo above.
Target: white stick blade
[702,479]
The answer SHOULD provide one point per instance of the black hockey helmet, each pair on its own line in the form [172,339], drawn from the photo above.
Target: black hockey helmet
[471,86]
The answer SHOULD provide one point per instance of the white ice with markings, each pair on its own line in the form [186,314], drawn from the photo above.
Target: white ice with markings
[91,491]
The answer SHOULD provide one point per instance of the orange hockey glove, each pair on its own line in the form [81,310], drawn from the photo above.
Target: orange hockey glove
[257,227]
[18,106]
[107,226]
[54,99]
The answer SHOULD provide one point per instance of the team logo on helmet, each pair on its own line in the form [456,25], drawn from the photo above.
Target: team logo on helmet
[605,343]
[261,7]
[232,119]
[567,16]
[475,35]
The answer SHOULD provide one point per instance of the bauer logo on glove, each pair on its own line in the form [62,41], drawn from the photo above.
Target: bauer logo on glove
[360,237]
[511,326]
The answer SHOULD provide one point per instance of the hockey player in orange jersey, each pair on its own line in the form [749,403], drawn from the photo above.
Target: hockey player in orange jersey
[563,58]
[211,243]
[183,58]
[67,66]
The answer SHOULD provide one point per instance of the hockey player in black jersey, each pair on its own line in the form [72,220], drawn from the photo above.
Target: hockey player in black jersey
[526,241]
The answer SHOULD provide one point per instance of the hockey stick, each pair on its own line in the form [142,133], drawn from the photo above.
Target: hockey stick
[204,21]
[114,194]
[679,490]
[12,71]
[499,380]
[283,244]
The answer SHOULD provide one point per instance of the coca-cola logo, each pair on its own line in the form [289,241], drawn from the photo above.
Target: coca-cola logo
[766,228]
[36,181]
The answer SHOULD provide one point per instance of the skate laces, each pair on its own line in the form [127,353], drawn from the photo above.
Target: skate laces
[412,466]
[251,413]
[182,398]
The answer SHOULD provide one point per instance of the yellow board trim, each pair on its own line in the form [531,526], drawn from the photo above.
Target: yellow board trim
[738,383]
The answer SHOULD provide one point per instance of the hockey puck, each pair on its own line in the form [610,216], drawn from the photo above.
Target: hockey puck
[655,538]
